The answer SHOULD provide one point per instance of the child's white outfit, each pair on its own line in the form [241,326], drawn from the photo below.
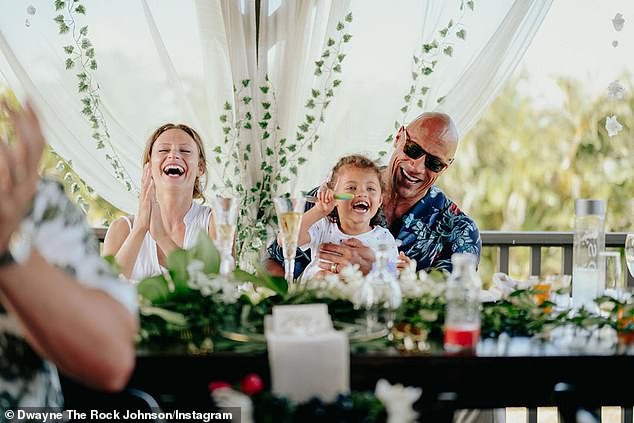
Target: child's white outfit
[326,231]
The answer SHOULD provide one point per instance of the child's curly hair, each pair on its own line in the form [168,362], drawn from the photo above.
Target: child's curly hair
[361,162]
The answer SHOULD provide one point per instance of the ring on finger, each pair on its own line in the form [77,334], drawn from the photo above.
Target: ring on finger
[333,267]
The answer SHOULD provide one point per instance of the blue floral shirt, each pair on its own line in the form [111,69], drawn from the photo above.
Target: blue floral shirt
[430,232]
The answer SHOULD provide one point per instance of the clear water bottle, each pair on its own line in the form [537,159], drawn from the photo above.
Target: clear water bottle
[462,317]
[380,294]
[589,242]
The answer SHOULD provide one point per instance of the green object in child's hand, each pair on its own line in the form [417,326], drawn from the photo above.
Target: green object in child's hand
[343,196]
[338,196]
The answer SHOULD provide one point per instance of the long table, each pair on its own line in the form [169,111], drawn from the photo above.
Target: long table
[521,372]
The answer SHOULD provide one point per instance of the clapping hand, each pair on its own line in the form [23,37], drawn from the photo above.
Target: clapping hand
[18,170]
[147,197]
[149,215]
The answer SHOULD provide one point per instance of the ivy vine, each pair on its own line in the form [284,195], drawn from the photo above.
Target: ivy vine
[80,56]
[424,63]
[256,110]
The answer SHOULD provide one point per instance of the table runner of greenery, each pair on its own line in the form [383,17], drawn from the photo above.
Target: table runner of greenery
[191,304]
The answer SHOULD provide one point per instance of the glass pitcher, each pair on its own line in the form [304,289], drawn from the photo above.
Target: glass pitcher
[588,245]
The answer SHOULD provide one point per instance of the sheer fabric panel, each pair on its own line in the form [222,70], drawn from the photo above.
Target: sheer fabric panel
[179,61]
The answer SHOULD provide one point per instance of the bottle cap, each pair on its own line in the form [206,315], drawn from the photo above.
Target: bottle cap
[586,207]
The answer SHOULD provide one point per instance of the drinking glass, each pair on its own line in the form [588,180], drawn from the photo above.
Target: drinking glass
[225,211]
[365,299]
[380,294]
[614,286]
[289,216]
[629,252]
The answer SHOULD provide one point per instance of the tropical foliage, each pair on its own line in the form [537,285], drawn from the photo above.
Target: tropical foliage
[521,167]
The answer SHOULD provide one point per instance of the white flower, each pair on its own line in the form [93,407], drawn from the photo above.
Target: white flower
[195,267]
[398,401]
[229,398]
[615,90]
[365,296]
[612,125]
[618,22]
[415,285]
[222,289]
[347,285]
[230,293]
[504,284]
[255,293]
[490,295]
[31,10]
[351,272]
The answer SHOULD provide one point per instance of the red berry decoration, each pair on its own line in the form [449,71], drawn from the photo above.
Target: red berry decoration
[251,384]
[217,384]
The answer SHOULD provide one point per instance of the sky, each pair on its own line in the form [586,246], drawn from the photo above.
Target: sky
[575,40]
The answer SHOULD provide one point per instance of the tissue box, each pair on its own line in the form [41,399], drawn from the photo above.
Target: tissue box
[307,357]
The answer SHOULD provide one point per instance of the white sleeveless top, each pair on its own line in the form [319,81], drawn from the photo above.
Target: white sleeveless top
[147,263]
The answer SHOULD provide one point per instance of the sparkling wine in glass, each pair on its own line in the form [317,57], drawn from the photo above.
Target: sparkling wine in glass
[225,211]
[289,216]
[629,253]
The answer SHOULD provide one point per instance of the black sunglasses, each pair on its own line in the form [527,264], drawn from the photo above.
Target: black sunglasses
[415,151]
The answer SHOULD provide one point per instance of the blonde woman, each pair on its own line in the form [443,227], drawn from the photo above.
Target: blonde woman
[174,165]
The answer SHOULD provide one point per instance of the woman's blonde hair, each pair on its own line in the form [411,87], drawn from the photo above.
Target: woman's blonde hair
[199,186]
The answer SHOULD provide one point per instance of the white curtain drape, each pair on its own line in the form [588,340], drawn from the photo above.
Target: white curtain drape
[377,76]
[480,81]
[178,61]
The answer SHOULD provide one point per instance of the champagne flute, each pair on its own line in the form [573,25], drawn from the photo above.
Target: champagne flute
[289,216]
[225,217]
[613,275]
[629,253]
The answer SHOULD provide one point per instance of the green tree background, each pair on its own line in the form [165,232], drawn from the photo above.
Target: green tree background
[519,169]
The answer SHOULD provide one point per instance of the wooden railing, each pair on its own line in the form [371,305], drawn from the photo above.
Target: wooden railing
[538,241]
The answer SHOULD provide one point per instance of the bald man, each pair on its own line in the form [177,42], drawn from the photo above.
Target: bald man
[429,226]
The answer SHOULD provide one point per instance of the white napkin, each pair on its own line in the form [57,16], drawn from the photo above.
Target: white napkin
[307,357]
